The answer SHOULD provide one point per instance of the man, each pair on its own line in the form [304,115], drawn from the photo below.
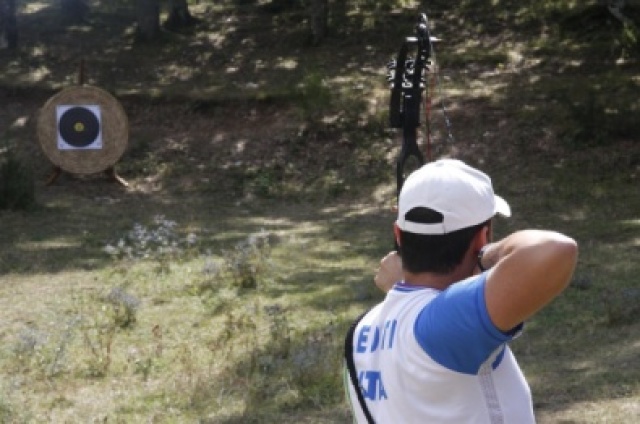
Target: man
[435,350]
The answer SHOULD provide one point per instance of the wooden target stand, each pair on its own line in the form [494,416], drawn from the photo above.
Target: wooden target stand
[83,130]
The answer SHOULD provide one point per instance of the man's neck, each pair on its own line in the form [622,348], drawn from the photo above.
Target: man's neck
[437,281]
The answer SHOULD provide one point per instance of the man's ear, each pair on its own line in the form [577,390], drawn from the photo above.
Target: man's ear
[482,238]
[486,234]
[396,233]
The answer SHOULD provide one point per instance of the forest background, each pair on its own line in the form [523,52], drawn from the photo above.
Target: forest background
[217,285]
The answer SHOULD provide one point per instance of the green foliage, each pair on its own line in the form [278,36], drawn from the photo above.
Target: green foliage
[100,320]
[49,354]
[124,307]
[157,241]
[599,115]
[265,182]
[143,160]
[8,410]
[44,353]
[622,306]
[314,98]
[243,267]
[17,188]
[630,40]
[247,261]
[282,367]
[98,334]
[587,120]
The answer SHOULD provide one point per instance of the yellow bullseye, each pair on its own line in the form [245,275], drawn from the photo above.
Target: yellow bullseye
[78,127]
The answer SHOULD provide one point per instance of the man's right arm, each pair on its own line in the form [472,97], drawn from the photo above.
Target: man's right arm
[528,269]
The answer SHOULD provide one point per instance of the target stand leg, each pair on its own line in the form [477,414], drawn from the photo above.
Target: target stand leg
[54,175]
[113,175]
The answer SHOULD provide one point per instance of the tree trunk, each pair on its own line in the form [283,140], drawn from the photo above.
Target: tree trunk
[318,20]
[74,11]
[8,24]
[615,8]
[148,13]
[179,15]
[11,25]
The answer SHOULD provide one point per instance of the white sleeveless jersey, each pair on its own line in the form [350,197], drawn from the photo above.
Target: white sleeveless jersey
[424,356]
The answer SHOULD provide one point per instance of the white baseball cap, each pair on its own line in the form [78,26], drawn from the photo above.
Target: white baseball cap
[462,194]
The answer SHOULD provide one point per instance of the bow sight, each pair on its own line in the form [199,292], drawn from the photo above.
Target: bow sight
[407,75]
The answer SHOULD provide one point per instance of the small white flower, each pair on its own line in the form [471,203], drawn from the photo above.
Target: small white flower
[110,250]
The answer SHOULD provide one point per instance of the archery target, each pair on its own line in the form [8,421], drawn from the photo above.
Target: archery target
[79,127]
[83,130]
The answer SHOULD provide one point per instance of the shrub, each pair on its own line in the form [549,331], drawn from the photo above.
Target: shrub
[159,241]
[314,98]
[245,266]
[17,189]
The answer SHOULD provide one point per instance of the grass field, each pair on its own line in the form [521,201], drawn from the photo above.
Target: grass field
[218,286]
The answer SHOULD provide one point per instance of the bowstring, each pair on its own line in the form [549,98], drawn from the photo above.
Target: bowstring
[427,115]
[434,84]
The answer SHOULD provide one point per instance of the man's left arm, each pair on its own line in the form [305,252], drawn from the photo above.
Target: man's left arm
[390,271]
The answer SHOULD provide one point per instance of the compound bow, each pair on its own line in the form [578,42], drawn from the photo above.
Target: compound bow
[407,74]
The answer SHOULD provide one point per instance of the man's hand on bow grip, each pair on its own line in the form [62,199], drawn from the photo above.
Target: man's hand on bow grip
[390,271]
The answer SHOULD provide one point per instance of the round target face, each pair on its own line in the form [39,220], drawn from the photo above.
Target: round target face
[83,130]
[79,127]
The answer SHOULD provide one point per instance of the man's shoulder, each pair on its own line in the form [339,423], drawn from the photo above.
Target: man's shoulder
[455,330]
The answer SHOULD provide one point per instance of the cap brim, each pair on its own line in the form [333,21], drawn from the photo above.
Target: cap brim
[502,207]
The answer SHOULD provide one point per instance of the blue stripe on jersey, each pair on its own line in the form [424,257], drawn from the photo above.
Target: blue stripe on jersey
[455,330]
[405,288]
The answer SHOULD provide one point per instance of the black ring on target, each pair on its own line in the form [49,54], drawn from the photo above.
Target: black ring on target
[78,126]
